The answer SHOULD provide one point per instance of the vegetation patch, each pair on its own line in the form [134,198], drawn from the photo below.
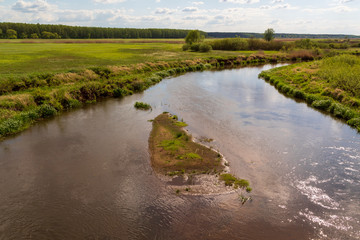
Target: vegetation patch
[230,180]
[173,152]
[331,85]
[142,106]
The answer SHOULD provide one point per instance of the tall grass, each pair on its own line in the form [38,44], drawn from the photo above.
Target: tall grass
[342,72]
[331,85]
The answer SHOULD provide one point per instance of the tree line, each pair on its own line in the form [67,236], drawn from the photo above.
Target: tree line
[26,30]
[278,35]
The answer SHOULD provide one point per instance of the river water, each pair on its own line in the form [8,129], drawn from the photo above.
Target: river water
[87,173]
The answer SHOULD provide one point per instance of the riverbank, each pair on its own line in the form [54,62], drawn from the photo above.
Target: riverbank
[25,100]
[330,85]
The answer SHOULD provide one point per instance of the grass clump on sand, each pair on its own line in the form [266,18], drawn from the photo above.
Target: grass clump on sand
[230,180]
[142,106]
[173,152]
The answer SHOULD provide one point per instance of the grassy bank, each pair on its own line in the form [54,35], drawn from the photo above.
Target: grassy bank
[330,85]
[43,78]
[30,96]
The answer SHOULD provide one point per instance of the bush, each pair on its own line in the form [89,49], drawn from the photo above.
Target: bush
[47,111]
[10,126]
[298,94]
[355,122]
[204,47]
[321,104]
[40,96]
[230,44]
[119,92]
[186,47]
[195,47]
[310,98]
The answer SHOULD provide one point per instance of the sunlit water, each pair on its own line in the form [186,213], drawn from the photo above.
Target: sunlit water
[87,173]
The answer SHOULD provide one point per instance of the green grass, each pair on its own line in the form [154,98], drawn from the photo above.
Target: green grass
[331,85]
[171,145]
[19,58]
[230,180]
[142,106]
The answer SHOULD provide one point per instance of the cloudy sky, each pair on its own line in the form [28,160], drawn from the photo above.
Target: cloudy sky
[285,16]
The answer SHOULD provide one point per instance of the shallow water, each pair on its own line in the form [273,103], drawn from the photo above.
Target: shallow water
[87,173]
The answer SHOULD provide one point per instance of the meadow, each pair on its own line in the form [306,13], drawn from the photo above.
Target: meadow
[22,57]
[42,78]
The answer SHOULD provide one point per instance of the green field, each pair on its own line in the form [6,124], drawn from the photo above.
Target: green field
[22,57]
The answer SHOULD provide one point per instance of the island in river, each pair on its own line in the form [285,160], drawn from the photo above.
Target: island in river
[188,165]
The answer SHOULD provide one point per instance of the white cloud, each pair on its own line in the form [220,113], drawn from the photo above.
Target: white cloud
[240,1]
[109,1]
[344,1]
[198,17]
[278,6]
[197,3]
[164,11]
[337,9]
[277,1]
[190,9]
[34,6]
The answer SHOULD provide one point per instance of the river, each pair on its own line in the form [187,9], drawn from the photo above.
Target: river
[86,174]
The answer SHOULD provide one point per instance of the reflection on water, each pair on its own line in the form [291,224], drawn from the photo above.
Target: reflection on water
[87,174]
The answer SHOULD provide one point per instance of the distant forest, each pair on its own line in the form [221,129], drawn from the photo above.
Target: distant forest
[277,35]
[47,31]
[25,30]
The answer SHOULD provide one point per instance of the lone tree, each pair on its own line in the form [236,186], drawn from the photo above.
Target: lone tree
[269,34]
[193,37]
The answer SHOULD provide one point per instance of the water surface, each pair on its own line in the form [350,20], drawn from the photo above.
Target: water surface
[87,173]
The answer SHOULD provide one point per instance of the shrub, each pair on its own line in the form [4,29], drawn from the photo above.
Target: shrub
[230,44]
[298,94]
[195,47]
[310,98]
[40,96]
[321,104]
[47,111]
[204,47]
[119,92]
[355,122]
[186,47]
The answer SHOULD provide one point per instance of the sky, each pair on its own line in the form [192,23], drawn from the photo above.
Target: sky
[284,16]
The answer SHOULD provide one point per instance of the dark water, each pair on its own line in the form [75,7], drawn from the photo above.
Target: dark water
[87,174]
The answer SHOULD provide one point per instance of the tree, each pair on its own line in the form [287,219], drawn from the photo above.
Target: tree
[34,36]
[269,34]
[0,32]
[193,37]
[11,34]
